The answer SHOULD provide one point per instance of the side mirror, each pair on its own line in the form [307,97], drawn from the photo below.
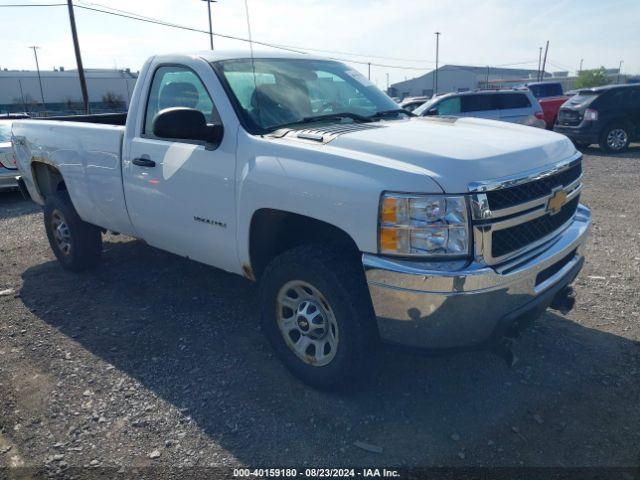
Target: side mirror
[432,111]
[185,124]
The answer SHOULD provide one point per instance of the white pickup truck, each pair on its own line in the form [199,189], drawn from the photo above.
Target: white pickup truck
[361,222]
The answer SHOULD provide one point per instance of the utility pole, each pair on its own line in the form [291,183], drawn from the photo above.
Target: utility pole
[369,74]
[435,76]
[487,82]
[539,62]
[619,70]
[544,62]
[76,47]
[35,54]
[209,2]
[581,60]
[24,104]
[387,82]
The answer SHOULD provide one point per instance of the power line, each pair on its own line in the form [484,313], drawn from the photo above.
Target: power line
[34,5]
[91,6]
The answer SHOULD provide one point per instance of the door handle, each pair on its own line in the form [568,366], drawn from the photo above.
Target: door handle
[143,162]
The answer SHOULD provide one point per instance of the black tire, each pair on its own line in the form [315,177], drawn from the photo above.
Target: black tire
[581,144]
[339,278]
[622,130]
[84,241]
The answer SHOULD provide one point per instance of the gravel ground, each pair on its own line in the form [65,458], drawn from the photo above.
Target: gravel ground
[154,360]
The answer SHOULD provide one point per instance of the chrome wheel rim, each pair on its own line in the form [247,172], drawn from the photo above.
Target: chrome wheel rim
[61,232]
[617,139]
[307,323]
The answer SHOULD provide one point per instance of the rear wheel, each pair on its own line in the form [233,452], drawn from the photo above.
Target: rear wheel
[76,244]
[615,138]
[317,314]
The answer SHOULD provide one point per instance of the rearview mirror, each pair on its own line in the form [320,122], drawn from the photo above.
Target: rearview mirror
[432,111]
[185,124]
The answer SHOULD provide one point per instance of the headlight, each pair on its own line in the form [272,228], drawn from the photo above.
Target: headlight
[423,225]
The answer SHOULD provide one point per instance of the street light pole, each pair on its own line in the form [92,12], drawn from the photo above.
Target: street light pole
[539,63]
[435,78]
[209,2]
[619,70]
[35,54]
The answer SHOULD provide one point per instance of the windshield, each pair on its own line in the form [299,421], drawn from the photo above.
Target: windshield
[287,91]
[5,132]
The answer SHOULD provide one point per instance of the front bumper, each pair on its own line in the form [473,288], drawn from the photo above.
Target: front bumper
[443,306]
[586,132]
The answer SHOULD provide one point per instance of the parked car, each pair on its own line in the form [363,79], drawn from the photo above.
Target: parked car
[608,116]
[8,167]
[411,103]
[516,106]
[550,97]
[361,222]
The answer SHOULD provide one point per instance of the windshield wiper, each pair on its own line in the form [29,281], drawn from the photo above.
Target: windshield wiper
[328,116]
[387,113]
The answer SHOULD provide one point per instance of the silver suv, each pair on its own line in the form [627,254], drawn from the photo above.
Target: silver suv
[515,106]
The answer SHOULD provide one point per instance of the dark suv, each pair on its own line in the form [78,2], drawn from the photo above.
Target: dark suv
[609,116]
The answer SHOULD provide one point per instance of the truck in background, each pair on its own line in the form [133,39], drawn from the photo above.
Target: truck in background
[550,97]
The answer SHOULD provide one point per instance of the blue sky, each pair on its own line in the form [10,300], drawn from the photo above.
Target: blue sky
[491,32]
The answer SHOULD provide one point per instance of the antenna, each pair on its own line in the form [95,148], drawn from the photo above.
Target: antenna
[253,61]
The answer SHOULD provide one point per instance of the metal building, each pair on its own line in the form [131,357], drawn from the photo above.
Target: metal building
[109,90]
[459,78]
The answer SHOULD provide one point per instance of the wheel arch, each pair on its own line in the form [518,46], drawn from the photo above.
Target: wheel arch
[47,179]
[273,231]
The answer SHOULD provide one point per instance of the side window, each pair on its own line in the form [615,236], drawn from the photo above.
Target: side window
[449,106]
[478,103]
[175,86]
[615,98]
[508,101]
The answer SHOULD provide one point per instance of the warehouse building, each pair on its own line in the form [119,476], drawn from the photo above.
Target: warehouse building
[460,78]
[109,90]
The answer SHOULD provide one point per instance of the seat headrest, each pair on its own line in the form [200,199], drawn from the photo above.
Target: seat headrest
[178,94]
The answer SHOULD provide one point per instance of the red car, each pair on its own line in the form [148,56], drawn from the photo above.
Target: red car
[550,97]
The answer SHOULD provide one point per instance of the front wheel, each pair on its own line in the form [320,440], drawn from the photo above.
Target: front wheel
[615,138]
[76,244]
[317,314]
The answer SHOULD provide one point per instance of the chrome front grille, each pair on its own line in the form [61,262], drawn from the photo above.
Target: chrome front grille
[510,197]
[515,215]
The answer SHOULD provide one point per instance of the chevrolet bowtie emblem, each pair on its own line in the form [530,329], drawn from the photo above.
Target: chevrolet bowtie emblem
[556,202]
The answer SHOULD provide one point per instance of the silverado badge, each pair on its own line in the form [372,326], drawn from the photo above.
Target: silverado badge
[557,200]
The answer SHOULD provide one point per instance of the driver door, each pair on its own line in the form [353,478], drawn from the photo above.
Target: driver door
[180,193]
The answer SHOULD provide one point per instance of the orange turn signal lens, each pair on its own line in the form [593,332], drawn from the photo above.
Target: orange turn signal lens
[389,210]
[388,240]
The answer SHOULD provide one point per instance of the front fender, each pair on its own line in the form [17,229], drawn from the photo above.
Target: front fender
[320,182]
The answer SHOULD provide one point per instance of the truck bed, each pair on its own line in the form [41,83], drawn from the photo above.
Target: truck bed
[87,152]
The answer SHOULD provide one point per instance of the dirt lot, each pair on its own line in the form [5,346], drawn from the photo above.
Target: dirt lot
[155,360]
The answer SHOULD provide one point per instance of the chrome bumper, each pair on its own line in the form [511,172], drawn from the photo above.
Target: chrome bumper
[448,305]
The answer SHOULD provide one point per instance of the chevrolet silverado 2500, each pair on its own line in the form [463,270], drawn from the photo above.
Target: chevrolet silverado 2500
[361,222]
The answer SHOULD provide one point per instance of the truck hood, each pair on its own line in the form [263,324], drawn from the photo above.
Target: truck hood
[455,152]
